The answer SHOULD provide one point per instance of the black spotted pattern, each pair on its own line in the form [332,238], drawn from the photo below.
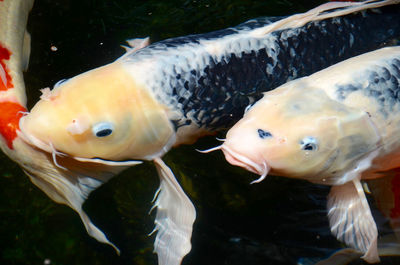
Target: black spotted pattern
[383,84]
[216,95]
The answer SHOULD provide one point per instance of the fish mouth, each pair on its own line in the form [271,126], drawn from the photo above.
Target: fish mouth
[239,160]
[32,140]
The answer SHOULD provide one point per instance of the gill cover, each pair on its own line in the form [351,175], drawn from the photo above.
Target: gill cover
[103,114]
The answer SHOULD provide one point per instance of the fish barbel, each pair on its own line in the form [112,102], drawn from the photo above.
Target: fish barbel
[335,127]
[172,92]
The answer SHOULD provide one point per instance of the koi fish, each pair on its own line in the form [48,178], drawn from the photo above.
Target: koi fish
[70,187]
[336,127]
[172,92]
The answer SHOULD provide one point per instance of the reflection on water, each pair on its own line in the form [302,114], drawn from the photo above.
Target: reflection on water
[275,222]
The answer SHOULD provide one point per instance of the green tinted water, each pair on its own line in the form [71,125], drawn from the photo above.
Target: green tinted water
[274,222]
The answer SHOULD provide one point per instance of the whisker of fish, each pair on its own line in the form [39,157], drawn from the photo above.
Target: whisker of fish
[210,150]
[263,176]
[54,154]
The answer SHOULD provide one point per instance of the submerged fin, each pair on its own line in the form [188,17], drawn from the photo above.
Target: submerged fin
[351,220]
[72,186]
[65,192]
[174,219]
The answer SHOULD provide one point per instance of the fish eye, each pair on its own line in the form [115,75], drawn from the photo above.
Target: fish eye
[263,134]
[309,144]
[102,129]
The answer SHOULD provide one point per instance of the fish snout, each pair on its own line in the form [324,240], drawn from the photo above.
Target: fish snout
[235,158]
[30,132]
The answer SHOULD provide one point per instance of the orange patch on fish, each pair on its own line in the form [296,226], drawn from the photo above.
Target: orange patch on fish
[9,121]
[5,78]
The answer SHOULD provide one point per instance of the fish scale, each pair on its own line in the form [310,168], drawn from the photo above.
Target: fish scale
[221,85]
[382,85]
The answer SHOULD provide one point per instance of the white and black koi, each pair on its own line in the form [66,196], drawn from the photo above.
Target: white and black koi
[210,78]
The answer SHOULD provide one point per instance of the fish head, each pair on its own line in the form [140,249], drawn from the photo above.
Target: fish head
[300,132]
[103,114]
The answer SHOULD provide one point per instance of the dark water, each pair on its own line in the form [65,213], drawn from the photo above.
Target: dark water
[275,222]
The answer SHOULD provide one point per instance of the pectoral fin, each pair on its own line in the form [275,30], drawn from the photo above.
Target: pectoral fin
[351,220]
[72,186]
[174,219]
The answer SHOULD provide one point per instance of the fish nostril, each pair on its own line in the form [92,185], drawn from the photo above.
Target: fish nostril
[263,134]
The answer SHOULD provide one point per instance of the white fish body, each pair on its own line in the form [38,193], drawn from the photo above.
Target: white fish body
[335,127]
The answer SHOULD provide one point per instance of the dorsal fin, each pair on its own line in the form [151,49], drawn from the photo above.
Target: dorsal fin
[136,44]
[174,220]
